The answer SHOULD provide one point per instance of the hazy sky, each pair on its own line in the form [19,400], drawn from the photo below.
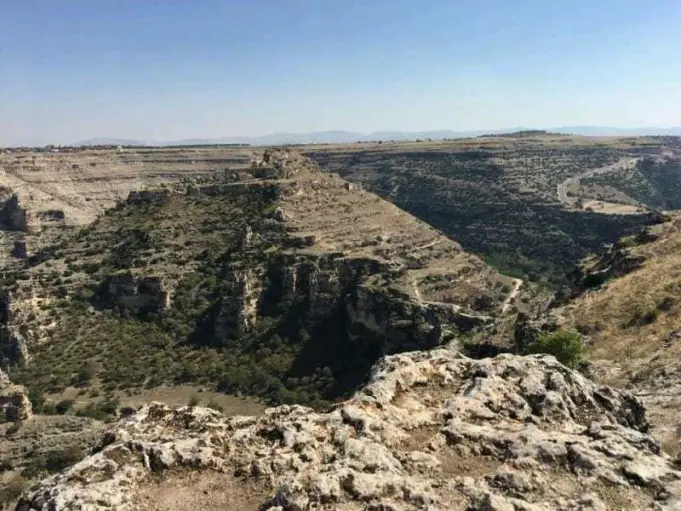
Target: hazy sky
[170,69]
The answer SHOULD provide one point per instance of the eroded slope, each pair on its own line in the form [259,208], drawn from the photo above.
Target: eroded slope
[632,321]
[287,283]
[498,196]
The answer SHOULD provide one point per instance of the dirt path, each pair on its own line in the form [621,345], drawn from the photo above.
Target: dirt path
[623,164]
[510,299]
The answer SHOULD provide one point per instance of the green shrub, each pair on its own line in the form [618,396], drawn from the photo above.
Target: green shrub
[63,406]
[37,400]
[642,316]
[101,410]
[59,460]
[91,411]
[565,345]
[127,411]
[109,406]
[193,401]
[85,375]
[49,408]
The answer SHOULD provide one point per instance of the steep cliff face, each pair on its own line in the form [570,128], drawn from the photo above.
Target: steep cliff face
[431,430]
[12,215]
[13,349]
[132,295]
[14,402]
[289,286]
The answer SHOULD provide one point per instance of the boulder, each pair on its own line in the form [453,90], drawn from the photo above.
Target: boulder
[14,403]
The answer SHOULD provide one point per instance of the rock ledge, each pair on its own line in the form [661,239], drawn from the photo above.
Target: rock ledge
[431,430]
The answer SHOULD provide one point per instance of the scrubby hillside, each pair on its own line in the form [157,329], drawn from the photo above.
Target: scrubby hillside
[631,318]
[282,281]
[653,182]
[431,431]
[498,196]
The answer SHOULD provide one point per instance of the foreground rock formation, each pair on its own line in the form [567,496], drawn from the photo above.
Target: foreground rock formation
[431,430]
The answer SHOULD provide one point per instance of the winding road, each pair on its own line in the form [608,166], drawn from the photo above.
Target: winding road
[623,164]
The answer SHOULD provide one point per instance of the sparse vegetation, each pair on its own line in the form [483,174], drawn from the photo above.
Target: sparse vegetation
[63,406]
[497,196]
[565,345]
[214,405]
[51,462]
[121,336]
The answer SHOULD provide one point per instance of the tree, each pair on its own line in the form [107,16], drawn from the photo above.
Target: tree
[565,345]
[37,400]
[64,406]
[85,375]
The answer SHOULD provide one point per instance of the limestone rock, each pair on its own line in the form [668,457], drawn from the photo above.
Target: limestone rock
[13,348]
[134,294]
[431,430]
[14,403]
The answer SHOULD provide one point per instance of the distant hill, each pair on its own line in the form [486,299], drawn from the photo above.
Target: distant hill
[320,137]
[114,141]
[342,137]
[609,131]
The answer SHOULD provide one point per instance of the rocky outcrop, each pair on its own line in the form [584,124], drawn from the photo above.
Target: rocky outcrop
[14,402]
[147,196]
[13,350]
[277,164]
[52,215]
[431,430]
[133,295]
[234,313]
[618,260]
[4,380]
[13,216]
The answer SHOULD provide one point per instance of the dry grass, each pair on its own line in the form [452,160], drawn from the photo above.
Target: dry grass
[633,326]
[177,395]
[612,208]
[632,317]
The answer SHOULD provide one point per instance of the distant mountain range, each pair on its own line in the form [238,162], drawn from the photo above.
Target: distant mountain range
[339,137]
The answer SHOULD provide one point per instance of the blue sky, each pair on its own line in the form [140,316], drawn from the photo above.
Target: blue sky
[170,69]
